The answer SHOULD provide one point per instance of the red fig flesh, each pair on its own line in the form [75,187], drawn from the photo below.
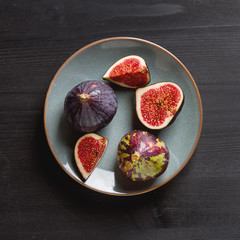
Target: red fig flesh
[158,103]
[130,72]
[88,152]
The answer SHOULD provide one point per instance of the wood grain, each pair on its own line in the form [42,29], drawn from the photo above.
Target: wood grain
[38,200]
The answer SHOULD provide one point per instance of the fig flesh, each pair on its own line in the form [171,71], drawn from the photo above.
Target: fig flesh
[157,104]
[130,72]
[142,156]
[90,106]
[88,152]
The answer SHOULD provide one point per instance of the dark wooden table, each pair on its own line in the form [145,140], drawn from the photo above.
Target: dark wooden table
[39,201]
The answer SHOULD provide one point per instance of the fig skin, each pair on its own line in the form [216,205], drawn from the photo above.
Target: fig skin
[90,106]
[130,72]
[158,104]
[142,156]
[88,151]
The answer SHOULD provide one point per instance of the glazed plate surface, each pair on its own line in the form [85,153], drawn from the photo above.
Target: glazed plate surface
[90,63]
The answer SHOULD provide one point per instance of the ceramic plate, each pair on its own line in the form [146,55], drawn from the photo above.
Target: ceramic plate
[90,63]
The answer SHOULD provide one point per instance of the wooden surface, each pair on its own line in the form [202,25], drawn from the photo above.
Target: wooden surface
[39,201]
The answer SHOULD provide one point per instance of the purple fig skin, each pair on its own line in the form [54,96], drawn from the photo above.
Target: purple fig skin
[90,106]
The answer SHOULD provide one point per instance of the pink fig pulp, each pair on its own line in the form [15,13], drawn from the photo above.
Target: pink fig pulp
[130,72]
[88,152]
[157,104]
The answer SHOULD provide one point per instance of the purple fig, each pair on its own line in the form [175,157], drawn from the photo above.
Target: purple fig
[90,106]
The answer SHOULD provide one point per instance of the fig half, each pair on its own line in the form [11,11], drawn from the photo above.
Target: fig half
[142,156]
[130,72]
[90,106]
[88,152]
[157,104]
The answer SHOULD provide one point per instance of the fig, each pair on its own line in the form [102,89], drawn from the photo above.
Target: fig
[157,104]
[90,106]
[88,152]
[142,156]
[130,71]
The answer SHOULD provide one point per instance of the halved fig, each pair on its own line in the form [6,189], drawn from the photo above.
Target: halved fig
[158,103]
[130,71]
[88,152]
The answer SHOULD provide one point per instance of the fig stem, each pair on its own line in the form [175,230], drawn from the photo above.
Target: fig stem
[83,97]
[135,156]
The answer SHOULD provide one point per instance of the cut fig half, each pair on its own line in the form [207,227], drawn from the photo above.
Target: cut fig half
[88,152]
[157,104]
[130,72]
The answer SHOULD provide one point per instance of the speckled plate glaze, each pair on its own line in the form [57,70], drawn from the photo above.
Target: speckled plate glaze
[90,63]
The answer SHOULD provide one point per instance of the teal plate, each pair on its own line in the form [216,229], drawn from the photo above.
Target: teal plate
[90,63]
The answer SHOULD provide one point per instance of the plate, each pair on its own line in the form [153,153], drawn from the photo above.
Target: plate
[90,63]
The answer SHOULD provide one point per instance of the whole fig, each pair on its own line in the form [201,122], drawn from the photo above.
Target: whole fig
[142,156]
[90,106]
